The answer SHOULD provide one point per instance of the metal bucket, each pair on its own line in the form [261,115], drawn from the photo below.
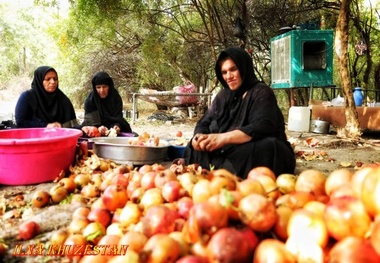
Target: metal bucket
[320,126]
[120,151]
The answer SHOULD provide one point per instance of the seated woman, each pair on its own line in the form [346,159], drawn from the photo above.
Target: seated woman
[45,105]
[244,127]
[103,107]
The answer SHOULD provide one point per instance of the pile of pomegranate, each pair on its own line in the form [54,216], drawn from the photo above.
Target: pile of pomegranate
[189,214]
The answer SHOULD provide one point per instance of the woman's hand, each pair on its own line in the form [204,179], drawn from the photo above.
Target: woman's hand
[207,142]
[117,129]
[214,141]
[103,130]
[54,125]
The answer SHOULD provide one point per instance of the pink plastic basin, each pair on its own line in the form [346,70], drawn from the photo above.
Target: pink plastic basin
[35,155]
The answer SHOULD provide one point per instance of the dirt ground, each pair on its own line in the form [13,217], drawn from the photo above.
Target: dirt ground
[324,152]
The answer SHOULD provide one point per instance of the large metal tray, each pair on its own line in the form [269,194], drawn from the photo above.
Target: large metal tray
[120,151]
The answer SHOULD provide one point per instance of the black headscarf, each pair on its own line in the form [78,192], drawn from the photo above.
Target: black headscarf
[110,109]
[244,64]
[49,106]
[109,106]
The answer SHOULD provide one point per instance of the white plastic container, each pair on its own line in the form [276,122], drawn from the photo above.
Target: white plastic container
[299,119]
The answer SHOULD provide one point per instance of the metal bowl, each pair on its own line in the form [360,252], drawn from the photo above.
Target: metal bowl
[119,150]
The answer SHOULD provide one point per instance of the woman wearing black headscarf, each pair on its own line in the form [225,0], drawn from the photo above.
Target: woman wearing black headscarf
[244,127]
[104,107]
[45,105]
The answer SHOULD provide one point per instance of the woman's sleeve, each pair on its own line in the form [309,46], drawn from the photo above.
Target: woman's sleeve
[262,115]
[203,125]
[24,114]
[119,107]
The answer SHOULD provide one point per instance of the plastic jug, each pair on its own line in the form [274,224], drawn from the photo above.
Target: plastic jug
[358,96]
[299,119]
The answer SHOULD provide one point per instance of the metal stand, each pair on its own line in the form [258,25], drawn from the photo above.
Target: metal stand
[136,95]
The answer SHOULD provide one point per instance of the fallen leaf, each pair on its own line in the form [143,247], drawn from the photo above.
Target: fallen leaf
[345,164]
[311,142]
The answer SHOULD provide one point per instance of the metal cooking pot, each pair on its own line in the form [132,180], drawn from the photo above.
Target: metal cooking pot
[319,126]
[120,151]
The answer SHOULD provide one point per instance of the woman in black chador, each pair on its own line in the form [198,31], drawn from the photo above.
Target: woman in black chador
[44,104]
[104,107]
[244,127]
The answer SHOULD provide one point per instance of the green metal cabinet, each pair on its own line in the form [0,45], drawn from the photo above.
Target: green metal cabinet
[302,58]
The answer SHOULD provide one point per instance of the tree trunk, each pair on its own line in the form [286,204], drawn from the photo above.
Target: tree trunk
[352,129]
[377,83]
